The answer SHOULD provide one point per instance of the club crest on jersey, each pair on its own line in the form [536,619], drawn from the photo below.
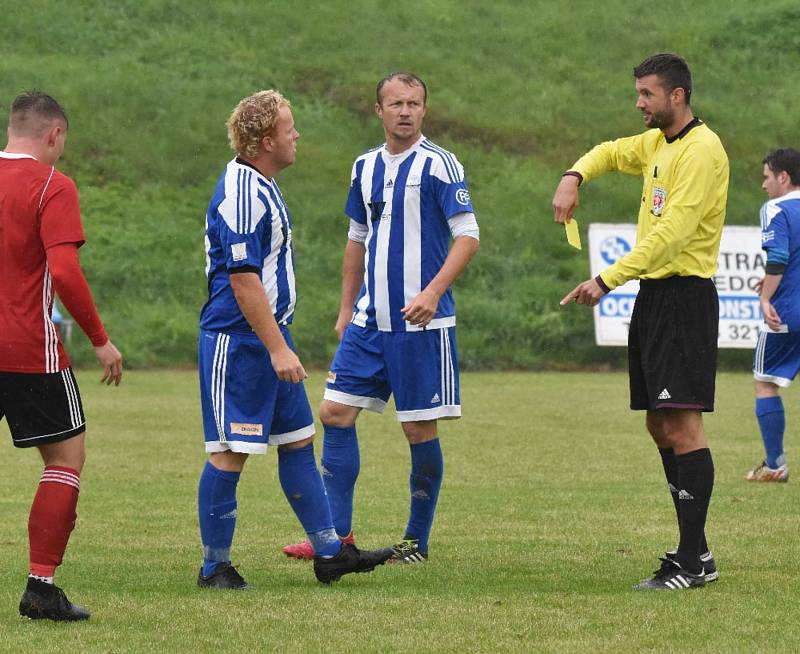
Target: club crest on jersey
[462,196]
[659,200]
[239,251]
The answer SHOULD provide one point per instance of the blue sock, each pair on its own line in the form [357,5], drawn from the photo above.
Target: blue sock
[303,487]
[772,422]
[340,466]
[216,505]
[427,470]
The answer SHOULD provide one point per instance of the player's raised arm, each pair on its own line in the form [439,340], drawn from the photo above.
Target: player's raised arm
[566,200]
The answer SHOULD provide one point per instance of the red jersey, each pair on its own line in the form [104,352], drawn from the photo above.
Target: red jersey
[39,208]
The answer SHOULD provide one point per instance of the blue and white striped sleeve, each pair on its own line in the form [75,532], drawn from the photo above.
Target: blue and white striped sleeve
[354,207]
[241,229]
[449,184]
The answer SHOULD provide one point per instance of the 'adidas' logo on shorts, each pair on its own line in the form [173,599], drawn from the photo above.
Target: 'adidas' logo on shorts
[664,395]
[435,398]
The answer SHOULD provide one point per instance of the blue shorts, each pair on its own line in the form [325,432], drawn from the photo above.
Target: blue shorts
[776,358]
[245,405]
[420,368]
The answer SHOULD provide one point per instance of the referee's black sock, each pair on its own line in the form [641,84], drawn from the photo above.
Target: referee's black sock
[671,473]
[695,483]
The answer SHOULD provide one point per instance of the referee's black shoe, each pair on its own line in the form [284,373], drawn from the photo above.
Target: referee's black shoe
[225,577]
[709,565]
[43,601]
[671,576]
[349,559]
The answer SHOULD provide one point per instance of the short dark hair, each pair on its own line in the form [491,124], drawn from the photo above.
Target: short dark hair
[35,104]
[671,68]
[785,160]
[406,78]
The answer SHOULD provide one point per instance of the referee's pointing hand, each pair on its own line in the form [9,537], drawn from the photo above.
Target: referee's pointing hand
[588,293]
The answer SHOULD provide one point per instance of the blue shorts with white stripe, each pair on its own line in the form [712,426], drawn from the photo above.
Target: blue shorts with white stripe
[776,357]
[245,406]
[420,368]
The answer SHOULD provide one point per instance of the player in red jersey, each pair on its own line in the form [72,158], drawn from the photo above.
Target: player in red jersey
[40,233]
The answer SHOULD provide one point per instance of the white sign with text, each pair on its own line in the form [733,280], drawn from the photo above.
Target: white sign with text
[739,266]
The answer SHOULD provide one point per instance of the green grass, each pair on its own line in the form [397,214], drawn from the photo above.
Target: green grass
[517,89]
[553,505]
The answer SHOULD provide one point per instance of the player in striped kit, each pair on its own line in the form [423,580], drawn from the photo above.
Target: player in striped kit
[408,198]
[251,380]
[776,359]
[40,233]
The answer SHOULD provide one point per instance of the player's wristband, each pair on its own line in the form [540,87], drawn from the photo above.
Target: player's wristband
[574,173]
[602,284]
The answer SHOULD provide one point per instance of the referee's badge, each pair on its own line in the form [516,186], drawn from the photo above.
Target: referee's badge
[659,200]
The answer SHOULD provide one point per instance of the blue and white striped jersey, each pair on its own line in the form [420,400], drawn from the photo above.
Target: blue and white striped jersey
[248,229]
[405,208]
[780,237]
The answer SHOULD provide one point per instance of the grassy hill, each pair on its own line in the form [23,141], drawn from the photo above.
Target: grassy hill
[517,90]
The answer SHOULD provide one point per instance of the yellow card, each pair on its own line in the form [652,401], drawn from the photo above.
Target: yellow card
[573,234]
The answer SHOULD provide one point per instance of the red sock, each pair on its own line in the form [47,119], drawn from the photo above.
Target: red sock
[52,518]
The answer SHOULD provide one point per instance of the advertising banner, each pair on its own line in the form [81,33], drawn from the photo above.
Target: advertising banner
[740,266]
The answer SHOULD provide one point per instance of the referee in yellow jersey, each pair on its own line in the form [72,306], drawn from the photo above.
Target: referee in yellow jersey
[672,342]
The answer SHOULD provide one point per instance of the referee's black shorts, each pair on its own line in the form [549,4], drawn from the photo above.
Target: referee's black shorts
[672,344]
[41,408]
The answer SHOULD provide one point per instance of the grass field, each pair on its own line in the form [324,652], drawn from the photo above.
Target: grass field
[553,505]
[518,90]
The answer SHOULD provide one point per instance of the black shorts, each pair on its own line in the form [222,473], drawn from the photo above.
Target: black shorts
[672,344]
[41,408]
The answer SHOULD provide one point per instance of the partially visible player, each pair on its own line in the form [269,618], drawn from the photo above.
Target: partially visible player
[251,380]
[408,203]
[40,233]
[672,342]
[776,359]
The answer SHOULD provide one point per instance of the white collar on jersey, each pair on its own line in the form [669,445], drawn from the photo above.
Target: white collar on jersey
[791,195]
[15,155]
[404,153]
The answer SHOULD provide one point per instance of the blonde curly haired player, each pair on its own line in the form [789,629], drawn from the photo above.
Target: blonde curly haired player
[254,118]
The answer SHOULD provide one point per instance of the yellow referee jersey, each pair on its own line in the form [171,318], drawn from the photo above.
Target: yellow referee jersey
[683,200]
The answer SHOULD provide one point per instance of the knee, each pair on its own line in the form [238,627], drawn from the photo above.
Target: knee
[297,445]
[333,414]
[228,461]
[658,432]
[420,432]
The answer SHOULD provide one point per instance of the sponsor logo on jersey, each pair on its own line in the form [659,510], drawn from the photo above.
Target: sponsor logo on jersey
[462,196]
[246,429]
[239,251]
[659,200]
